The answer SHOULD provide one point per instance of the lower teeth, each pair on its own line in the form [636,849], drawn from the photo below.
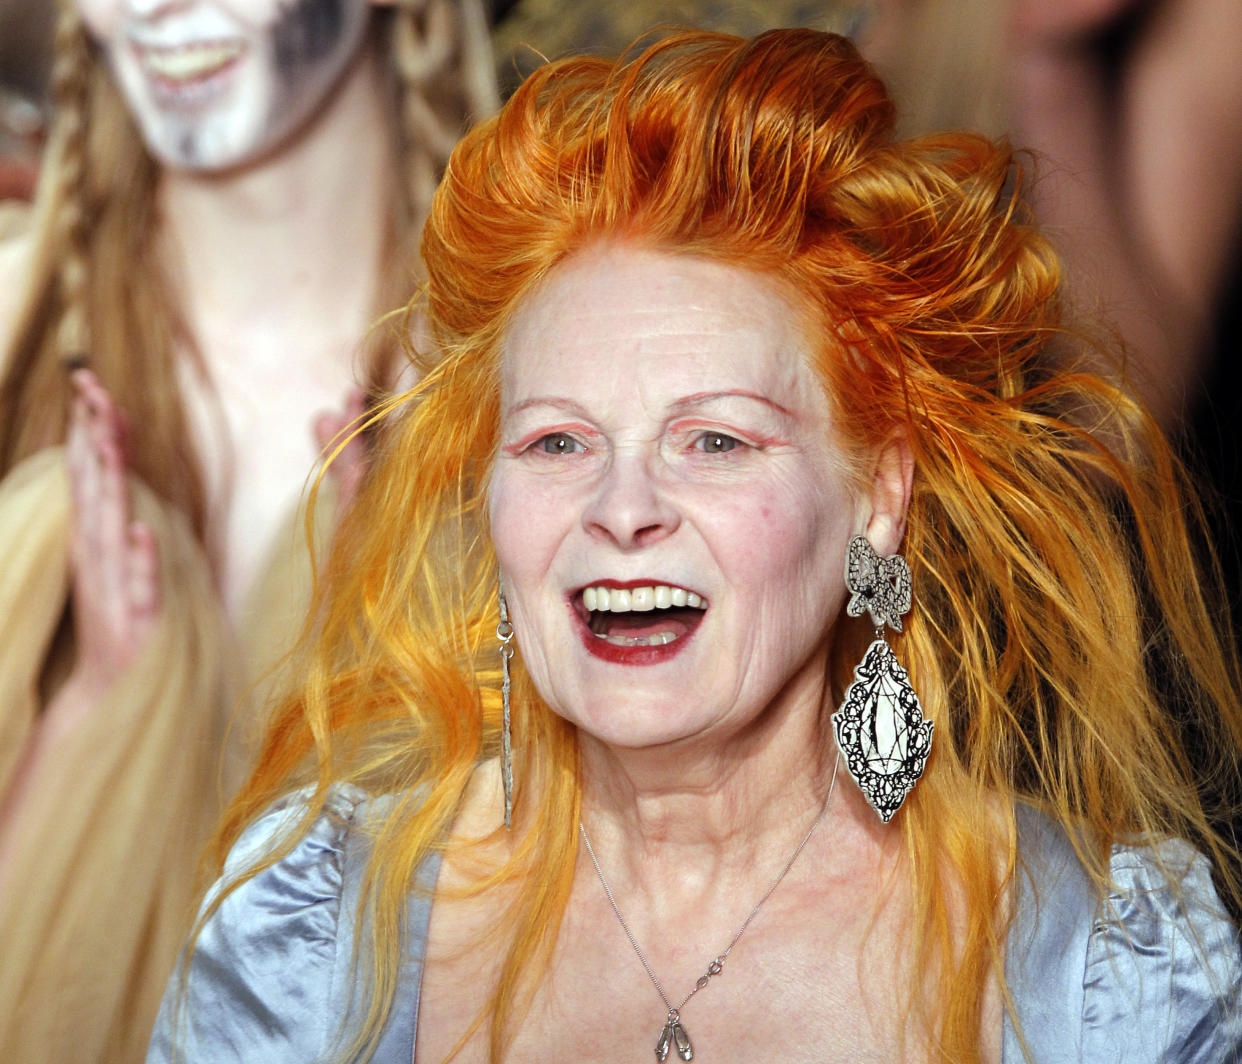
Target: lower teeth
[659,639]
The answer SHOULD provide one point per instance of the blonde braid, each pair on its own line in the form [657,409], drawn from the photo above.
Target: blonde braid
[71,93]
[440,57]
[443,58]
[478,61]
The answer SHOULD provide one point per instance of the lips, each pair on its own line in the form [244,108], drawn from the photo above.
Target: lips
[637,622]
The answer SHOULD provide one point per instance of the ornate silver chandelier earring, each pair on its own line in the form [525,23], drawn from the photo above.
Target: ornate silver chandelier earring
[880,727]
[504,632]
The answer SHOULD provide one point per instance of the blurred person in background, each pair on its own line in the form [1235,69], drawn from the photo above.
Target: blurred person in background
[22,129]
[232,193]
[1133,111]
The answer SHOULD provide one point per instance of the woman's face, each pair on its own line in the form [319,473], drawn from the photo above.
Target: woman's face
[665,446]
[215,84]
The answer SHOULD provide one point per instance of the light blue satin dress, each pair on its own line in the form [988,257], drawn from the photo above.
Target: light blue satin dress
[1149,975]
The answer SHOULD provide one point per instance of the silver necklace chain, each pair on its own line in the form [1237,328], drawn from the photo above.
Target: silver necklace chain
[673,1032]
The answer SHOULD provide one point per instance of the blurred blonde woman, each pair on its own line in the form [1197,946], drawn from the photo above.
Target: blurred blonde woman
[232,194]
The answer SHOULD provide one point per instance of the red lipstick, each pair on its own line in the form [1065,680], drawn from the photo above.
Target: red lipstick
[644,636]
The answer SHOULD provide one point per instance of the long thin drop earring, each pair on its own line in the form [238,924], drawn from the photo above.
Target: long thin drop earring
[880,726]
[504,632]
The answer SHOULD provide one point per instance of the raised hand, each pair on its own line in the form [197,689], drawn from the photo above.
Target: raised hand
[114,560]
[348,467]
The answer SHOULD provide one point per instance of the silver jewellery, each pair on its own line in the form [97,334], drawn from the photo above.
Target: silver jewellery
[880,727]
[504,632]
[673,1034]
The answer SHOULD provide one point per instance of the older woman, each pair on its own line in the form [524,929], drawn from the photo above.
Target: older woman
[713,353]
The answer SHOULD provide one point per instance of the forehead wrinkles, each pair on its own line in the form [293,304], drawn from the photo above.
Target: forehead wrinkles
[634,309]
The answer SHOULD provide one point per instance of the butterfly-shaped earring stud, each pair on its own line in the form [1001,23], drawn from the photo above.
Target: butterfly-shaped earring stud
[879,586]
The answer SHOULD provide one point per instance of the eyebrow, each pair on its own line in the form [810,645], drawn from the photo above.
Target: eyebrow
[700,398]
[687,402]
[567,405]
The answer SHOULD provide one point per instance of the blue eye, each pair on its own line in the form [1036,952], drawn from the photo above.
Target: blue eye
[716,442]
[558,443]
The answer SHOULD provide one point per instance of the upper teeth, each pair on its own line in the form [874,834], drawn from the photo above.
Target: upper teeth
[190,61]
[638,599]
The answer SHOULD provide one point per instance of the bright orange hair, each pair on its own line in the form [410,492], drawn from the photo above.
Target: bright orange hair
[1059,638]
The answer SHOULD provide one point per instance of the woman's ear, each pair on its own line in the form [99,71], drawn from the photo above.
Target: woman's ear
[891,480]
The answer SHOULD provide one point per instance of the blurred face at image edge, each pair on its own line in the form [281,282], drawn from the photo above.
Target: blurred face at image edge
[217,84]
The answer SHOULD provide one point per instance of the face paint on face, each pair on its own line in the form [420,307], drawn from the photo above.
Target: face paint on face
[306,34]
[215,84]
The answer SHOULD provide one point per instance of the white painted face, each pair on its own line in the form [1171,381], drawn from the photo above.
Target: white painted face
[215,84]
[667,451]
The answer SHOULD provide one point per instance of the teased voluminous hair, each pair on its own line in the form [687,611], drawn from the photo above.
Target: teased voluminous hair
[1060,637]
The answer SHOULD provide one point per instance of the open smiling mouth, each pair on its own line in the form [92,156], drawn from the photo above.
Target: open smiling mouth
[653,615]
[188,64]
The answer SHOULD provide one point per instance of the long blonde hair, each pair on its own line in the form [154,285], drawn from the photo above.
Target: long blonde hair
[98,295]
[1053,563]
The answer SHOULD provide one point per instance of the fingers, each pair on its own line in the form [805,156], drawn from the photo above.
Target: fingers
[110,426]
[355,453]
[332,423]
[115,561]
[327,426]
[349,466]
[101,499]
[79,453]
[143,590]
[142,571]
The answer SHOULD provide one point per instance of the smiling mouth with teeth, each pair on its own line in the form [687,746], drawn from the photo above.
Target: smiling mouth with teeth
[186,64]
[654,615]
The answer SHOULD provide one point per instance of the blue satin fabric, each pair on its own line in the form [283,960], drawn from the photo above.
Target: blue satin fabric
[1151,975]
[271,979]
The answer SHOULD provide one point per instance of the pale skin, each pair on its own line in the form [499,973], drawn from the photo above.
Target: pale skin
[276,260]
[660,422]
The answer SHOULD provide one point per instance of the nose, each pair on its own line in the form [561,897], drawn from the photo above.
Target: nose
[629,508]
